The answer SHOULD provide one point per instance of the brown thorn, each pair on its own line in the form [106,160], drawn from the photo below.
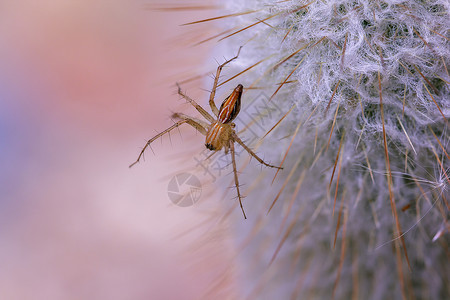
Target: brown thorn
[318,41]
[440,163]
[286,79]
[338,224]
[287,33]
[368,43]
[279,121]
[334,92]
[406,134]
[443,149]
[334,122]
[426,79]
[335,163]
[368,165]
[315,140]
[268,70]
[360,135]
[291,202]
[286,181]
[317,157]
[267,24]
[355,276]
[337,181]
[425,42]
[405,68]
[285,236]
[289,56]
[320,73]
[343,248]
[221,17]
[343,52]
[406,160]
[193,78]
[302,7]
[251,25]
[334,43]
[247,69]
[441,35]
[447,82]
[406,207]
[269,17]
[404,101]
[445,119]
[214,36]
[180,8]
[287,151]
[290,81]
[389,180]
[445,67]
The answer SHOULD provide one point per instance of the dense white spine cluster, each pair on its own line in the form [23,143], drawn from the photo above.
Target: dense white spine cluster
[370,84]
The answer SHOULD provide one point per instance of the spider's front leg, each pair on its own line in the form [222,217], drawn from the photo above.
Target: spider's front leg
[214,108]
[240,142]
[236,179]
[200,125]
[197,106]
[184,119]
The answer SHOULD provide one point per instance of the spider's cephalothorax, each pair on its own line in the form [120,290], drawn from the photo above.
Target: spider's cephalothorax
[219,131]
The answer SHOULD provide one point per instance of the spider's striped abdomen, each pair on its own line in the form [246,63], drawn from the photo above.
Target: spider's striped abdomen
[230,106]
[217,136]
[219,132]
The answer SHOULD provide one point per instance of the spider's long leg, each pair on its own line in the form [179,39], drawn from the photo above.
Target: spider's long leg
[200,125]
[214,108]
[186,120]
[200,109]
[236,180]
[240,142]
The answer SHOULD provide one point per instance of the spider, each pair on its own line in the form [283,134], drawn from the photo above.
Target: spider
[219,130]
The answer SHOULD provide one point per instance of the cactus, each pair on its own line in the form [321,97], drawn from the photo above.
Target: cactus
[362,204]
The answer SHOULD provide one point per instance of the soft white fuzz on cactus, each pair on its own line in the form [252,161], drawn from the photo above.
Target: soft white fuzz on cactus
[364,211]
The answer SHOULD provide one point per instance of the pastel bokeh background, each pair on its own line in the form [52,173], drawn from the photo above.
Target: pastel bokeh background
[83,84]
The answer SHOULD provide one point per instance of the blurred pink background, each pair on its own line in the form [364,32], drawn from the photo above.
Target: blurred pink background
[83,84]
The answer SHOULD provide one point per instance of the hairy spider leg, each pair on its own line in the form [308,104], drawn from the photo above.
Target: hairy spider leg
[216,80]
[186,120]
[202,129]
[240,142]
[236,179]
[200,109]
